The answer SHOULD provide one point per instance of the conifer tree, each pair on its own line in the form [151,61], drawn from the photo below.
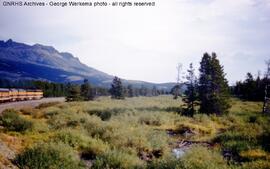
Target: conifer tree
[155,91]
[130,91]
[73,93]
[117,90]
[250,89]
[213,86]
[191,93]
[175,91]
[136,92]
[86,91]
[143,91]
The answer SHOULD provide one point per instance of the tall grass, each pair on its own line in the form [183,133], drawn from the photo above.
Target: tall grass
[132,133]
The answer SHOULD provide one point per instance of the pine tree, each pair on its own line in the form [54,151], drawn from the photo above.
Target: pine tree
[73,93]
[86,91]
[249,86]
[117,90]
[130,91]
[143,91]
[136,92]
[213,86]
[155,91]
[251,89]
[191,92]
[175,91]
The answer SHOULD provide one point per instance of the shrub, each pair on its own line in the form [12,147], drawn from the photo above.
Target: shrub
[117,159]
[157,139]
[199,157]
[174,109]
[48,156]
[28,111]
[259,164]
[97,128]
[252,119]
[150,120]
[126,137]
[71,137]
[237,146]
[195,128]
[240,137]
[40,127]
[35,113]
[264,140]
[106,114]
[170,163]
[253,154]
[45,105]
[88,145]
[51,111]
[72,123]
[95,147]
[13,122]
[66,119]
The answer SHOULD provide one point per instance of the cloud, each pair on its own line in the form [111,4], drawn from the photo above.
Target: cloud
[147,43]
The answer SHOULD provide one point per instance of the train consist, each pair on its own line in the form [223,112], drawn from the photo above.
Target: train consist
[9,95]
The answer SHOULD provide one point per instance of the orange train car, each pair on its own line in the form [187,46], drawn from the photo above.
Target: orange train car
[4,95]
[8,95]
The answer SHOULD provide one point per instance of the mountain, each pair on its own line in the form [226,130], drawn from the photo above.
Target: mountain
[39,62]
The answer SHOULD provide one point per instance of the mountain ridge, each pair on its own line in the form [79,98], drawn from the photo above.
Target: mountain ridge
[41,62]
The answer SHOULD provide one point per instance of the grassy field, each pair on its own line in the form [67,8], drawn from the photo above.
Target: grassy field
[136,132]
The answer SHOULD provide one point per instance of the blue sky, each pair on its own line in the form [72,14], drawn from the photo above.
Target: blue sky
[147,43]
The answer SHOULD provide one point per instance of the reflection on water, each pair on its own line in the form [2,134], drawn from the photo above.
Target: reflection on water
[178,152]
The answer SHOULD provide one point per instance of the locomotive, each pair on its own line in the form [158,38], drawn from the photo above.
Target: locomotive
[9,95]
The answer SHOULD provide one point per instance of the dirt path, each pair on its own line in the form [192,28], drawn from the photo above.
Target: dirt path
[30,103]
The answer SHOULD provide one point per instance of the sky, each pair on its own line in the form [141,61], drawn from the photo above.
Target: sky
[147,43]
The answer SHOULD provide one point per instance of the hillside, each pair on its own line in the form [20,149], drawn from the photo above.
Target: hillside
[39,62]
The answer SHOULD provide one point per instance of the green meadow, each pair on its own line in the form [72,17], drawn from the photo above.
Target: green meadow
[139,132]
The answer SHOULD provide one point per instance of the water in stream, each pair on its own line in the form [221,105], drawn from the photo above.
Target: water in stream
[178,152]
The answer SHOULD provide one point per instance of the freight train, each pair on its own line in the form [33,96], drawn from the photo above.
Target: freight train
[9,95]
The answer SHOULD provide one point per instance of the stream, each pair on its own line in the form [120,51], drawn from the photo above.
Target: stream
[179,148]
[178,152]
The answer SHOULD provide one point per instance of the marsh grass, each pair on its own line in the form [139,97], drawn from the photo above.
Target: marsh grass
[131,133]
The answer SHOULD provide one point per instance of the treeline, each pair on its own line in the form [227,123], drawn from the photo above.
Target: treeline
[210,91]
[50,89]
[251,88]
[84,91]
[117,91]
[77,91]
[130,91]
